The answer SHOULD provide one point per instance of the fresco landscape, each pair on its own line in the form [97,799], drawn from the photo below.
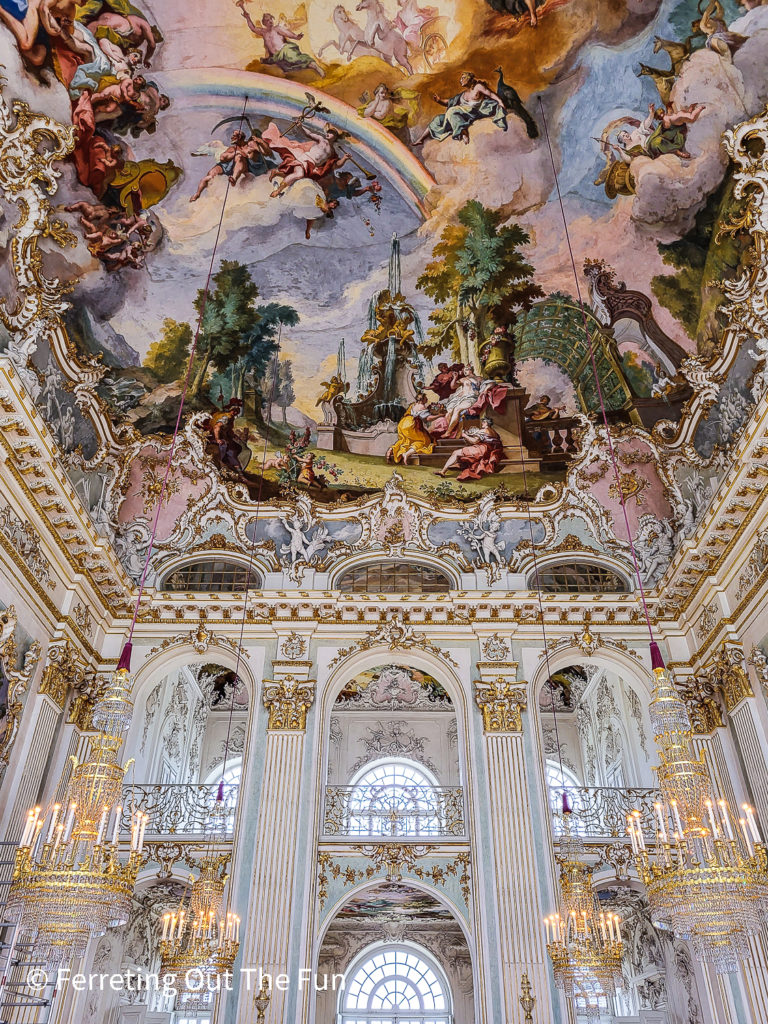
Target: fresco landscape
[351,214]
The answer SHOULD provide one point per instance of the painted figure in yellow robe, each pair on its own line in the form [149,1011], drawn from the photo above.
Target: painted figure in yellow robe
[413,438]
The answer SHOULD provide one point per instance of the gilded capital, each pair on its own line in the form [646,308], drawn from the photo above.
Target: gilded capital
[63,671]
[731,676]
[502,704]
[288,701]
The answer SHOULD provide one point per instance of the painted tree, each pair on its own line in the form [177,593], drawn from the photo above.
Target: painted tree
[236,335]
[167,357]
[260,347]
[270,386]
[480,278]
[286,382]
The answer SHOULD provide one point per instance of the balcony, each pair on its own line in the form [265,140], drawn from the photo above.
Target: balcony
[600,814]
[426,812]
[179,809]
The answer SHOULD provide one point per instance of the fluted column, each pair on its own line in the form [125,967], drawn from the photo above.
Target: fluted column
[517,864]
[268,928]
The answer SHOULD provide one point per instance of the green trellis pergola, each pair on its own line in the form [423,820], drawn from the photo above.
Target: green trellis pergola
[553,329]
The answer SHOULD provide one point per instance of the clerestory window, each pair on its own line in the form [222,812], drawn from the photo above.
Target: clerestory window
[211,576]
[393,578]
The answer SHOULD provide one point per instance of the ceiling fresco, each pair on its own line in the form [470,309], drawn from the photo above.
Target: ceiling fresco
[346,223]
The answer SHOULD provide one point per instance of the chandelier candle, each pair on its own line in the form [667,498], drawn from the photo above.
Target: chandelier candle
[582,942]
[201,940]
[73,885]
[707,877]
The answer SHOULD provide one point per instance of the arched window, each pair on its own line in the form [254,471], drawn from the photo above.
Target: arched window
[577,578]
[395,985]
[393,578]
[211,576]
[394,798]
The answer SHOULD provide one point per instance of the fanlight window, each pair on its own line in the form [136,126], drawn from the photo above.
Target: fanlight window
[394,798]
[212,576]
[578,577]
[393,578]
[395,986]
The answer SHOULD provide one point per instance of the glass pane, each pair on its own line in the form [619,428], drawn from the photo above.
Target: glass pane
[395,979]
[394,578]
[579,577]
[212,576]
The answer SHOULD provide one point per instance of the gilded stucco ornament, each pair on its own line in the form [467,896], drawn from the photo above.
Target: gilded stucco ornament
[502,704]
[702,701]
[201,640]
[288,701]
[587,641]
[759,662]
[395,521]
[25,541]
[18,680]
[393,861]
[730,675]
[747,309]
[31,145]
[293,647]
[725,675]
[393,634]
[63,672]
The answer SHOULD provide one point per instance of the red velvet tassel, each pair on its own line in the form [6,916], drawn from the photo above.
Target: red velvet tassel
[125,658]
[656,659]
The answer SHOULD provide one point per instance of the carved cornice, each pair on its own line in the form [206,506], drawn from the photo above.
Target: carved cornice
[502,704]
[288,701]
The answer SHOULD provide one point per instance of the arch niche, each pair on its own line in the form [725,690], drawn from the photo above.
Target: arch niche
[386,920]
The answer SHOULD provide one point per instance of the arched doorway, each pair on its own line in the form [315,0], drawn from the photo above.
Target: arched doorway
[404,956]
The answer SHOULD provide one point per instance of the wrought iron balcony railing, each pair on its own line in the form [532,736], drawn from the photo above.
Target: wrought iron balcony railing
[387,810]
[180,808]
[601,812]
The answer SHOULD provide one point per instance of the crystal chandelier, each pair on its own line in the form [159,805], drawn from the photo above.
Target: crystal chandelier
[584,943]
[69,882]
[707,878]
[200,940]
